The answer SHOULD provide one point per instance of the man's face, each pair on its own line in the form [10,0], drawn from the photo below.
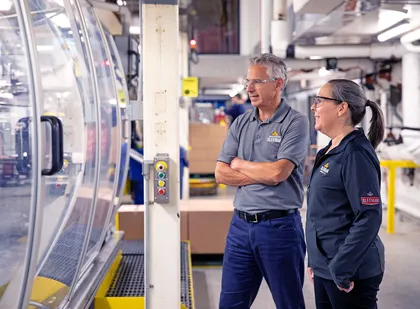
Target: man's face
[261,90]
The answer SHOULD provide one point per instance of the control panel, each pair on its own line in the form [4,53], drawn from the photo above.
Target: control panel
[161,181]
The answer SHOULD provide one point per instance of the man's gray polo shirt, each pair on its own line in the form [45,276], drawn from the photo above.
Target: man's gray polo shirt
[284,136]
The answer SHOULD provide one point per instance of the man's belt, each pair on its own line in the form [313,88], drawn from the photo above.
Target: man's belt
[264,216]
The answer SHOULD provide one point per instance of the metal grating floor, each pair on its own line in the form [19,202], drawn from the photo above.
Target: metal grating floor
[62,263]
[132,247]
[129,278]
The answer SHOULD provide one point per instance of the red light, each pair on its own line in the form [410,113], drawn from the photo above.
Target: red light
[106,62]
[193,43]
[161,191]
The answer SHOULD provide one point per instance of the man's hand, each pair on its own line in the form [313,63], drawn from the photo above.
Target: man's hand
[236,164]
[311,274]
[347,290]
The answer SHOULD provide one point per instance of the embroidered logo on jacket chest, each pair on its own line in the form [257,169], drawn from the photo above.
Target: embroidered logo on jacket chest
[325,168]
[274,137]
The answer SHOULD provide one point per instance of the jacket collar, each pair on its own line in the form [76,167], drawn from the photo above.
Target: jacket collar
[358,132]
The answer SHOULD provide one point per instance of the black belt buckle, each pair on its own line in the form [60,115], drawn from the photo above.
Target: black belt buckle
[254,219]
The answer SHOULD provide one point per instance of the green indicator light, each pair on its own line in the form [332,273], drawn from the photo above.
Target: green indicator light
[161,175]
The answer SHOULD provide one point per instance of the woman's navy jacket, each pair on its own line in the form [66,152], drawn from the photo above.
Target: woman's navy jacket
[344,212]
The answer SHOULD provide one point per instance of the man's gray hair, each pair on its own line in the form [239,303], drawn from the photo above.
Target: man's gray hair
[276,68]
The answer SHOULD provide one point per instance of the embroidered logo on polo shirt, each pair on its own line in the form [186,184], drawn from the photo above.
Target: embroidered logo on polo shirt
[274,137]
[325,168]
[370,200]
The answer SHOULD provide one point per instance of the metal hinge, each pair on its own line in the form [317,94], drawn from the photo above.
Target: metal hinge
[136,110]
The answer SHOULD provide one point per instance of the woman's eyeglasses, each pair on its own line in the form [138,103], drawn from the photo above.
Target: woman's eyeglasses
[319,99]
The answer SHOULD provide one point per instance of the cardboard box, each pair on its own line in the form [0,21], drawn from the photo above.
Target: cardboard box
[131,221]
[204,222]
[208,224]
[206,141]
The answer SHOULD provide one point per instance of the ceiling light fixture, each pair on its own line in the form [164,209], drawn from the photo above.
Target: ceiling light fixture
[396,31]
[389,18]
[5,5]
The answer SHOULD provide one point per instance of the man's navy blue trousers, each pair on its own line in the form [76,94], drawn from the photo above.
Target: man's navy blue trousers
[274,250]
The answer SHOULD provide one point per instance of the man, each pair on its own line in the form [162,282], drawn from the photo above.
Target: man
[236,109]
[264,156]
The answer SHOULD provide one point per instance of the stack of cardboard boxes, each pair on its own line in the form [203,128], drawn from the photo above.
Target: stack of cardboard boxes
[206,141]
[199,217]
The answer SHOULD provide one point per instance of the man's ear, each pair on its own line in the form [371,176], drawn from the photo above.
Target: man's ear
[279,83]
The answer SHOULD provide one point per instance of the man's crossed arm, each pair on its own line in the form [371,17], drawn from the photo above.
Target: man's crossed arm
[241,172]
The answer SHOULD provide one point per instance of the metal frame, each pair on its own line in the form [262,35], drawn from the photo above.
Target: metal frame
[35,88]
[95,88]
[114,84]
[392,166]
[127,108]
[66,9]
[85,293]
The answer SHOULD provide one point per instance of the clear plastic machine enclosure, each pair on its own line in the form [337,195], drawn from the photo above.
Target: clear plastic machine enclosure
[61,87]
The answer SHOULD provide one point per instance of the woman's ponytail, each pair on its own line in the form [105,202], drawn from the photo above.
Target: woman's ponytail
[377,126]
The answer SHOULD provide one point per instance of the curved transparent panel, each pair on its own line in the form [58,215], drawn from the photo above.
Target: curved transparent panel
[125,119]
[68,93]
[109,129]
[16,178]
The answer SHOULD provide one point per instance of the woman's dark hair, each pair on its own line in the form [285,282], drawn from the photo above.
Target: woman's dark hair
[348,91]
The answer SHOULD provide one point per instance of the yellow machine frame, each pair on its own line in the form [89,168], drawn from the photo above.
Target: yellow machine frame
[392,166]
[103,302]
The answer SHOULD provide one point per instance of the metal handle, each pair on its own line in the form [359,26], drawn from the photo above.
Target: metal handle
[57,152]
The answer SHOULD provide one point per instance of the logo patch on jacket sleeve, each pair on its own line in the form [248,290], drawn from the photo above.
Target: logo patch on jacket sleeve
[370,200]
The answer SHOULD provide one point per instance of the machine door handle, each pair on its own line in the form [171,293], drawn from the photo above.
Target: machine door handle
[57,152]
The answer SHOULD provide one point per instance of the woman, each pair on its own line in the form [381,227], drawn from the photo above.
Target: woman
[345,253]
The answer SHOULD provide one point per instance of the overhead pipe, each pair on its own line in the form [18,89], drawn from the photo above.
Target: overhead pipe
[373,51]
[122,10]
[281,41]
[344,64]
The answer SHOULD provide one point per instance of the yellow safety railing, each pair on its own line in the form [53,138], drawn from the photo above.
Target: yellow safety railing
[392,166]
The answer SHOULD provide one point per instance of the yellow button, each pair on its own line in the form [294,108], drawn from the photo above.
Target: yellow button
[161,183]
[161,166]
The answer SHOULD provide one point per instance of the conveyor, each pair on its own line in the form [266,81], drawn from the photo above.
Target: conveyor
[124,285]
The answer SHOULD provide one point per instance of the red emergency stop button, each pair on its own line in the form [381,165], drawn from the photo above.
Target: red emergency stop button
[161,191]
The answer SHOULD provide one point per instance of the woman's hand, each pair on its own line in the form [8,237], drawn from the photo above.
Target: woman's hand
[347,290]
[311,274]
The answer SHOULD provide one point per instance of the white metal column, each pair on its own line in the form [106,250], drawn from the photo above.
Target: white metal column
[161,78]
[411,89]
[266,14]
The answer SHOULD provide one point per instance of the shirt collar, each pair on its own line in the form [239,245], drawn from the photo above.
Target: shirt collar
[278,116]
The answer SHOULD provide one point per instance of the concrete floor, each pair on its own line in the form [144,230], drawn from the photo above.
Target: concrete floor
[399,290]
